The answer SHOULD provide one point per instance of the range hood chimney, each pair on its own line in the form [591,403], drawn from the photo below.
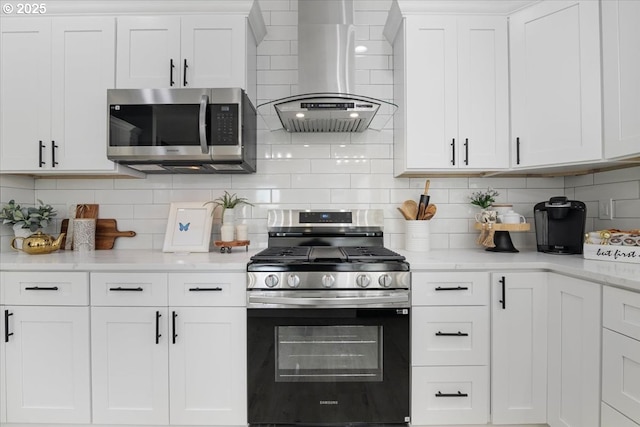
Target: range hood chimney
[326,75]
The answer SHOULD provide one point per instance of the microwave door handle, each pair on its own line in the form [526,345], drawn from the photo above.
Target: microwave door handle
[204,102]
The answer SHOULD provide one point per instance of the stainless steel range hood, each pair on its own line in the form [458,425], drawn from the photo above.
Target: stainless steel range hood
[326,71]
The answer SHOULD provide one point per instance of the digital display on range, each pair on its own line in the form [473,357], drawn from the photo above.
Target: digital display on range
[325,217]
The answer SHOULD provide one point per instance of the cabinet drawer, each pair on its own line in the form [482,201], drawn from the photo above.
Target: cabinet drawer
[449,395]
[621,373]
[612,418]
[207,289]
[129,289]
[621,311]
[450,336]
[450,288]
[45,288]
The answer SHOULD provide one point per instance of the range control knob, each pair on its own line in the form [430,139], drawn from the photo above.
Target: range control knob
[293,281]
[271,280]
[328,280]
[385,280]
[363,280]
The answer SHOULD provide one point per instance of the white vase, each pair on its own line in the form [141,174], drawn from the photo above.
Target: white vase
[229,216]
[18,231]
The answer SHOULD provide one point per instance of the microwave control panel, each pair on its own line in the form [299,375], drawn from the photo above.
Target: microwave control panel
[224,124]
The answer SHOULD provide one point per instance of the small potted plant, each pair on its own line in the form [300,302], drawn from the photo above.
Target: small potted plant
[484,200]
[26,220]
[228,202]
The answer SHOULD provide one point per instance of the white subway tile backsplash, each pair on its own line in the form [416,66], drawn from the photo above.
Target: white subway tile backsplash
[281,18]
[277,166]
[284,62]
[327,180]
[616,191]
[627,209]
[340,166]
[154,181]
[278,77]
[274,47]
[371,17]
[296,151]
[370,151]
[282,180]
[348,196]
[178,195]
[619,175]
[294,196]
[118,197]
[282,32]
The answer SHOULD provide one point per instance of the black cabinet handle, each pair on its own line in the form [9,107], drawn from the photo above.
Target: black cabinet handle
[517,150]
[173,327]
[458,394]
[41,288]
[158,335]
[451,334]
[171,67]
[6,325]
[453,151]
[40,161]
[457,288]
[217,289]
[503,301]
[54,147]
[466,151]
[121,289]
[184,73]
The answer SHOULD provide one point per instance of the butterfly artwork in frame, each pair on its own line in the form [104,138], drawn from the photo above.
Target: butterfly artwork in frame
[188,228]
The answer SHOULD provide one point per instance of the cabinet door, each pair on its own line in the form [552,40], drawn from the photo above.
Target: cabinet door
[574,352]
[431,106]
[207,359]
[83,51]
[519,356]
[47,365]
[25,104]
[555,83]
[3,375]
[148,52]
[130,362]
[214,51]
[483,97]
[620,71]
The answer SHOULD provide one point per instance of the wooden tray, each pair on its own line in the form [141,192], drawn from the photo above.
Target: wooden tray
[226,246]
[503,227]
[106,233]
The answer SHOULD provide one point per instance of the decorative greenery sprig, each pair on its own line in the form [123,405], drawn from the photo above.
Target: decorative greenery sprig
[229,201]
[32,218]
[484,199]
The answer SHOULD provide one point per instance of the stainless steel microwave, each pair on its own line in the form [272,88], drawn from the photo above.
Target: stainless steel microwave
[182,130]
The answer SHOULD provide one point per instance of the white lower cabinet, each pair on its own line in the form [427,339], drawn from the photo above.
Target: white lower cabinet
[573,398]
[169,348]
[47,365]
[450,348]
[3,375]
[130,365]
[207,366]
[519,348]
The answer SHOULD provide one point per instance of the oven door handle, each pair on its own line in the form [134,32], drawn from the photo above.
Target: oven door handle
[328,301]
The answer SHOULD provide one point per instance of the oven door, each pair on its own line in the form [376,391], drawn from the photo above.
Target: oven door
[328,365]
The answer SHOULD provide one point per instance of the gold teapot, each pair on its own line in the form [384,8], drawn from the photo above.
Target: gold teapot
[38,243]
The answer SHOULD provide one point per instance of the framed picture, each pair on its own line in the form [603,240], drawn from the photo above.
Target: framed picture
[189,227]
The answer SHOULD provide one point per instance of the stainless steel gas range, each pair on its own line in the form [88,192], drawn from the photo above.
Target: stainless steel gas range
[328,322]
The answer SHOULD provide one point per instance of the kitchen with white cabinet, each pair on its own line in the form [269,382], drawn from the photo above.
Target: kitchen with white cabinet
[481,87]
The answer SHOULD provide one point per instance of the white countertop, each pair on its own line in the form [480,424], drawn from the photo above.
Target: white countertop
[624,275]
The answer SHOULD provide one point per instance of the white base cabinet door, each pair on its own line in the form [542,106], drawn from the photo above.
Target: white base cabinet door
[555,83]
[207,366]
[574,352]
[620,71]
[519,348]
[613,418]
[130,361]
[3,375]
[47,365]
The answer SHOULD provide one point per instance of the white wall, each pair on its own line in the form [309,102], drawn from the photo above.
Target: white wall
[324,171]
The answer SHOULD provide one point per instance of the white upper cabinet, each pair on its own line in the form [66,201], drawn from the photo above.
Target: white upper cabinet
[187,51]
[55,76]
[555,83]
[621,68]
[451,87]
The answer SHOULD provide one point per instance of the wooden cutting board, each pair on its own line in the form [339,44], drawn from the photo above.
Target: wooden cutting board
[106,232]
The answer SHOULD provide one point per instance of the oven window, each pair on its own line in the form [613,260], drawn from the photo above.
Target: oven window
[338,353]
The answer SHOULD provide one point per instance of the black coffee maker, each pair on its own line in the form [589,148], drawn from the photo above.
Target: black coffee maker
[560,225]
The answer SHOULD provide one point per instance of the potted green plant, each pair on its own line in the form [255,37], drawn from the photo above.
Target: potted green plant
[228,202]
[484,200]
[29,218]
